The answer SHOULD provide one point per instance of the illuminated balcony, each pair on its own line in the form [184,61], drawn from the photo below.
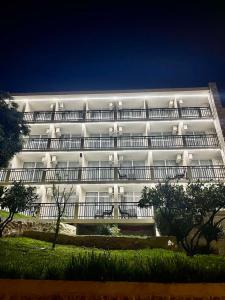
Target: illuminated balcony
[121,142]
[112,174]
[121,115]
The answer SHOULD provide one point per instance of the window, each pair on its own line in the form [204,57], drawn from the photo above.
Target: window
[97,197]
[69,141]
[133,169]
[96,204]
[32,171]
[98,170]
[67,170]
[166,169]
[131,197]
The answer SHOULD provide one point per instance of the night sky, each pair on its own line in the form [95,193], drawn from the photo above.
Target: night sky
[92,45]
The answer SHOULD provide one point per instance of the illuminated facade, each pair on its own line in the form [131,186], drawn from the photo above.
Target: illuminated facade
[109,145]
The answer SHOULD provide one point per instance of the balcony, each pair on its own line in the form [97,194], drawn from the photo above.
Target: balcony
[107,211]
[122,142]
[121,115]
[112,174]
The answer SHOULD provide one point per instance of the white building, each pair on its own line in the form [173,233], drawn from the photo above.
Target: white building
[109,145]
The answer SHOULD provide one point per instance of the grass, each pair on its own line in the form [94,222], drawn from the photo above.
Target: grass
[32,259]
[4,214]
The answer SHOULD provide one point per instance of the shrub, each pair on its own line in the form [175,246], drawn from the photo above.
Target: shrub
[102,230]
[114,230]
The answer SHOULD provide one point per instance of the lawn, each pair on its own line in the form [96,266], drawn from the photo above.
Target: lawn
[27,258]
[4,214]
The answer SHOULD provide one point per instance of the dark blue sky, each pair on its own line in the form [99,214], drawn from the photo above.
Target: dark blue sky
[91,45]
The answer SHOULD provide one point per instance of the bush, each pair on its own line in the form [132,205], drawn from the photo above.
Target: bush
[114,230]
[102,230]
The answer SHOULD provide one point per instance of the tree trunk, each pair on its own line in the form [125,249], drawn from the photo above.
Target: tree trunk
[56,233]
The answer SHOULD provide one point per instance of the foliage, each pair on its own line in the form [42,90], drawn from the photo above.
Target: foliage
[12,127]
[102,229]
[106,229]
[16,199]
[61,198]
[114,230]
[189,213]
[30,259]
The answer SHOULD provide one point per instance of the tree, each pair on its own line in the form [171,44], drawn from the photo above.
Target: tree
[190,213]
[16,199]
[12,127]
[61,198]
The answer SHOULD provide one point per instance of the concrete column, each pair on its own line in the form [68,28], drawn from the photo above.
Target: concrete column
[150,158]
[180,128]
[47,160]
[27,107]
[147,128]
[52,131]
[78,200]
[116,200]
[83,130]
[16,162]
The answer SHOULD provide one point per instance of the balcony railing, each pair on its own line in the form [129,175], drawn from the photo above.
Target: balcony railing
[122,142]
[91,211]
[68,116]
[122,115]
[111,174]
[99,143]
[99,115]
[131,114]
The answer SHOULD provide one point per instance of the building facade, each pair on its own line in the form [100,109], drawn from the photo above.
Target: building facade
[109,145]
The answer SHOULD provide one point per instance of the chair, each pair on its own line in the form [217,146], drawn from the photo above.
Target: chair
[122,176]
[127,212]
[124,213]
[101,213]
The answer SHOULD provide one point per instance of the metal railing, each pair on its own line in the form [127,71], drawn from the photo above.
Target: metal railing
[69,116]
[40,144]
[26,175]
[122,115]
[131,114]
[132,142]
[99,115]
[98,142]
[62,174]
[90,210]
[93,210]
[131,210]
[65,144]
[121,142]
[38,116]
[107,174]
[97,174]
